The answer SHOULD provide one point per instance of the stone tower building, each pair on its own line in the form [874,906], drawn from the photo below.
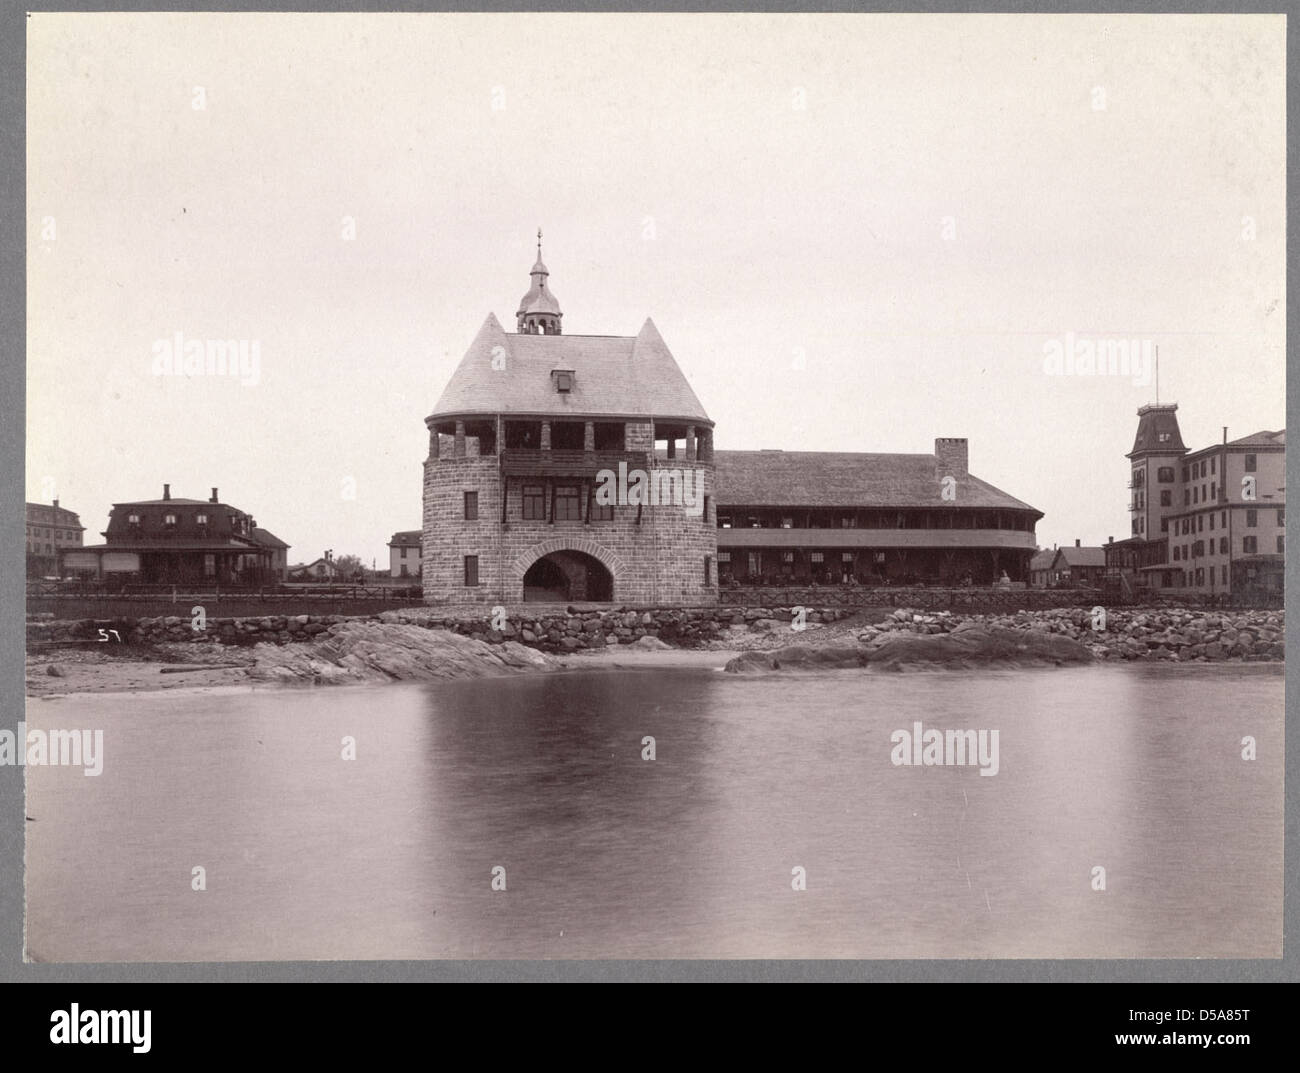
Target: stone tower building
[568,468]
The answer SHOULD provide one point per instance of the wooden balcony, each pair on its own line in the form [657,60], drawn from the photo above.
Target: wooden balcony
[518,462]
[877,538]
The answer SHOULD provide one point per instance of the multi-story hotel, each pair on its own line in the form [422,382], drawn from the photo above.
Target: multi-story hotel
[540,438]
[50,529]
[1210,521]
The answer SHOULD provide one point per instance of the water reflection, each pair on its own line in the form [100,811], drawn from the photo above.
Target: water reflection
[390,855]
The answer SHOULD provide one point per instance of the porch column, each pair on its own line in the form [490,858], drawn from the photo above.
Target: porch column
[704,448]
[546,435]
[690,443]
[433,444]
[460,439]
[589,436]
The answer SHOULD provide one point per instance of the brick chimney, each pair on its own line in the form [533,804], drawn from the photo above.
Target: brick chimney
[167,491]
[214,497]
[56,504]
[950,458]
[1077,542]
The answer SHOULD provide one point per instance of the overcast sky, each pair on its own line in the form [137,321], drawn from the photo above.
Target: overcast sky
[855,233]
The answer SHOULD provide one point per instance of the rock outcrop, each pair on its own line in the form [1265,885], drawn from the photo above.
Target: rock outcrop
[974,647]
[373,651]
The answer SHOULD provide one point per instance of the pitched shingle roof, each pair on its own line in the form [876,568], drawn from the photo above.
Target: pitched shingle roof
[616,376]
[1043,560]
[1261,439]
[407,536]
[1083,556]
[268,539]
[844,479]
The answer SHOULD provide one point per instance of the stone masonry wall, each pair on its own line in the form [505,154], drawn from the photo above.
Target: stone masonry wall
[659,561]
[549,630]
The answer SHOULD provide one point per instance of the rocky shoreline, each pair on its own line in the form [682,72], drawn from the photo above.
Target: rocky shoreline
[429,644]
[1172,634]
[1125,633]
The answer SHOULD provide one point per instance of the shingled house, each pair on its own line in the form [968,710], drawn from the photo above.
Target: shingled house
[171,540]
[871,519]
[404,553]
[50,529]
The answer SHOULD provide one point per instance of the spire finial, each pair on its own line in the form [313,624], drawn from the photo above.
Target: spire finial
[539,243]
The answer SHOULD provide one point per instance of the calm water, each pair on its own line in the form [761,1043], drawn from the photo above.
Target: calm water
[390,855]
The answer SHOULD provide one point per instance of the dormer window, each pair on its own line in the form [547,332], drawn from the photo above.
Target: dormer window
[201,519]
[133,519]
[169,519]
[563,380]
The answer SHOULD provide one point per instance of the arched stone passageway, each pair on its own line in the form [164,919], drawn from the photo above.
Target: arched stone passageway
[568,576]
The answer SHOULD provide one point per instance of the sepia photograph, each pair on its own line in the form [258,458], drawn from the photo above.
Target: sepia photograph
[574,486]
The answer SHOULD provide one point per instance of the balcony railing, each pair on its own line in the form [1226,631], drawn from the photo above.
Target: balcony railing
[523,462]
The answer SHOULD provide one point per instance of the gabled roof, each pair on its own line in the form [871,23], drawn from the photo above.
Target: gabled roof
[614,375]
[1043,560]
[1072,556]
[844,479]
[315,562]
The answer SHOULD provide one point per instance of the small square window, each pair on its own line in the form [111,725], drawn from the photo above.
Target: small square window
[1250,463]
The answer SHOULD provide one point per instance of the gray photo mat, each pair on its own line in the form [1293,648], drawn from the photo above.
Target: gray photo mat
[12,634]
